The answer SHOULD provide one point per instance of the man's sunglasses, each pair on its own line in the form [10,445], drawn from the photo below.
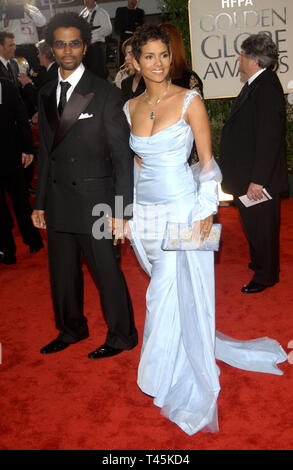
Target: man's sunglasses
[74,44]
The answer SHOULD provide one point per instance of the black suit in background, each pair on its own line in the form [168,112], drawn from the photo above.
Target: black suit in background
[74,174]
[44,76]
[4,73]
[125,23]
[252,149]
[16,138]
[31,90]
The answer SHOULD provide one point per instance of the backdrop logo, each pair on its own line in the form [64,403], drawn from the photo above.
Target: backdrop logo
[218,28]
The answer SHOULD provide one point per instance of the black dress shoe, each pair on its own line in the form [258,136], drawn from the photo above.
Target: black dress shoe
[35,247]
[104,351]
[55,346]
[253,288]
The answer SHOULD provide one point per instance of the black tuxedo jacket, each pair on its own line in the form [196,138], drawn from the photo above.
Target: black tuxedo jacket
[15,129]
[77,157]
[128,20]
[44,76]
[252,147]
[14,68]
[30,91]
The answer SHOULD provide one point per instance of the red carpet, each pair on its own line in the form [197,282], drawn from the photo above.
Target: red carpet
[66,401]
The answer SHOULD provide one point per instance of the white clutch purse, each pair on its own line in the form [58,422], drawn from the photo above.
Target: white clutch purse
[177,237]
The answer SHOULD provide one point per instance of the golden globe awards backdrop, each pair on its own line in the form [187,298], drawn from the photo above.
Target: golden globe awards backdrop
[217,29]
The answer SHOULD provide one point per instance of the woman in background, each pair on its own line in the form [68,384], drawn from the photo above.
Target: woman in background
[180,73]
[133,85]
[126,68]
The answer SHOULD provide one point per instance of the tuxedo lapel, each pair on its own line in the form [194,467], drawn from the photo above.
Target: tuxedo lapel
[50,106]
[3,71]
[77,103]
[240,102]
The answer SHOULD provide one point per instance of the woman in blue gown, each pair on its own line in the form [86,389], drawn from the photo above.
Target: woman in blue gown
[180,344]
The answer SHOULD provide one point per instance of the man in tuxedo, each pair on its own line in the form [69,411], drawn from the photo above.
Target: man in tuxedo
[82,125]
[253,157]
[8,67]
[127,19]
[16,153]
[47,72]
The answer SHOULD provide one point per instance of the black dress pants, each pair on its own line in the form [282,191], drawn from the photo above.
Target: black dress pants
[66,252]
[262,226]
[15,185]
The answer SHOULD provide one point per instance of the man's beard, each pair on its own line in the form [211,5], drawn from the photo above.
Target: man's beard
[69,66]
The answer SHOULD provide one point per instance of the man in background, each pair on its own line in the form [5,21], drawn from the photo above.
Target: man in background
[8,67]
[47,72]
[253,157]
[95,58]
[127,19]
[17,152]
[25,30]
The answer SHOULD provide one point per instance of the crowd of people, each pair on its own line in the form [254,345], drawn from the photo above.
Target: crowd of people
[145,142]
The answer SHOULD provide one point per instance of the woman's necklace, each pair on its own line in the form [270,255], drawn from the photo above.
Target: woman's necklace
[152,115]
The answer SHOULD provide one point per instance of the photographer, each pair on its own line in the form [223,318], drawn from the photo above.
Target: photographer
[23,19]
[95,58]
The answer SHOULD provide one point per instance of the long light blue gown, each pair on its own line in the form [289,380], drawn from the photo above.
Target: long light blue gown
[180,343]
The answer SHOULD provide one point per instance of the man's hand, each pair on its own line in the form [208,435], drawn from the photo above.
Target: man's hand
[118,228]
[254,191]
[24,79]
[26,159]
[35,118]
[38,218]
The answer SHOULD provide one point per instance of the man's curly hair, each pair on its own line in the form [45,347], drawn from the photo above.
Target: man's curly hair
[148,32]
[68,20]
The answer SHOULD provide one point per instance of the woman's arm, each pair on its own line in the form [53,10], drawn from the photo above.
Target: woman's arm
[197,117]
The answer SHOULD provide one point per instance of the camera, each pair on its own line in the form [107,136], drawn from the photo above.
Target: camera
[14,9]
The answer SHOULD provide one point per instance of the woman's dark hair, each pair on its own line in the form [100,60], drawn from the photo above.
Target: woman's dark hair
[148,32]
[68,20]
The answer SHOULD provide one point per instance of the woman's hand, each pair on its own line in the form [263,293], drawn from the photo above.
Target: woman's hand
[205,227]
[201,229]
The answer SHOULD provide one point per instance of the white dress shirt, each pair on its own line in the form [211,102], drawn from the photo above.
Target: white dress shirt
[73,79]
[101,19]
[25,29]
[4,61]
[253,77]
